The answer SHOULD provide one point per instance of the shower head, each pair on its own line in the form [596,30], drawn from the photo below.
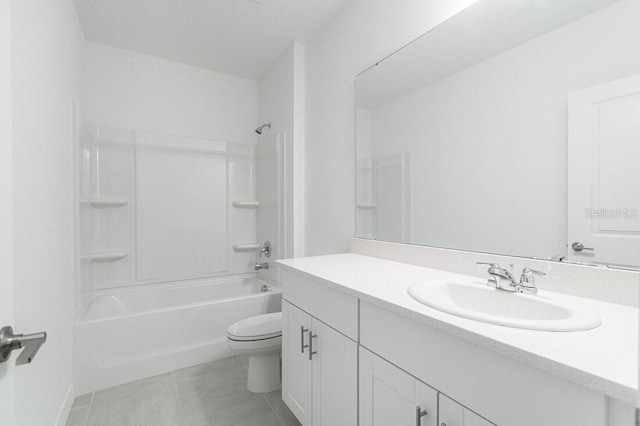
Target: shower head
[259,129]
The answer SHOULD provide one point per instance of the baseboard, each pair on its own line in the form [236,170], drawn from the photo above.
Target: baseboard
[65,408]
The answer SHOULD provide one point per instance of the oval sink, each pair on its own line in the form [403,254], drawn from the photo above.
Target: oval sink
[482,303]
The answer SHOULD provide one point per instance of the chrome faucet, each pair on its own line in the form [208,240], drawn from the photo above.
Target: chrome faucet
[265,250]
[259,266]
[502,279]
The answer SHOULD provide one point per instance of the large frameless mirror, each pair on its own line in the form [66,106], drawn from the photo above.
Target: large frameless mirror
[512,128]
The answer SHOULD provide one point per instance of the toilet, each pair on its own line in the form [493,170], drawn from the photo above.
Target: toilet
[260,338]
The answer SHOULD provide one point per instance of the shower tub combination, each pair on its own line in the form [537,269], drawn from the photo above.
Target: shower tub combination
[136,334]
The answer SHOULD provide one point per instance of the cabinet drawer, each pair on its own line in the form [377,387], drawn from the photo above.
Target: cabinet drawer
[332,307]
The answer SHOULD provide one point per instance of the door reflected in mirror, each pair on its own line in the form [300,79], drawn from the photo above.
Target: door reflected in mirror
[512,128]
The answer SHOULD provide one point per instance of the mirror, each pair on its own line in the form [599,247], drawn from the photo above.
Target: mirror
[512,128]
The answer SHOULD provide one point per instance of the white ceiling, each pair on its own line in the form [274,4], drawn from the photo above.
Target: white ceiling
[238,37]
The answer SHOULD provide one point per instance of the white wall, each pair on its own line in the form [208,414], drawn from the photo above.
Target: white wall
[7,369]
[363,33]
[134,91]
[513,105]
[48,46]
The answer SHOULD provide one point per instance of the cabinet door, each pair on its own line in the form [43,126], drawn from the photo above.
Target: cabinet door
[335,377]
[450,413]
[296,367]
[389,396]
[453,414]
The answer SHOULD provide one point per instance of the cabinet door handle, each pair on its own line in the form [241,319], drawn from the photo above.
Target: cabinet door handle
[311,351]
[420,413]
[302,345]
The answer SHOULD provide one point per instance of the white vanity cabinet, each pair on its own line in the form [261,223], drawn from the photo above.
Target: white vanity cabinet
[319,362]
[350,361]
[389,396]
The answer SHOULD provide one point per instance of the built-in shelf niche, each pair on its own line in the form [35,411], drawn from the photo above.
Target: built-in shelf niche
[246,204]
[101,203]
[246,247]
[105,256]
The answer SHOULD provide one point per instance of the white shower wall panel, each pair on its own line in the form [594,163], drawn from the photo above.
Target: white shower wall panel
[112,169]
[270,191]
[181,213]
[242,187]
[177,221]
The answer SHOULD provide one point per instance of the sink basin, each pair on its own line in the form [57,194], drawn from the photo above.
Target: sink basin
[482,303]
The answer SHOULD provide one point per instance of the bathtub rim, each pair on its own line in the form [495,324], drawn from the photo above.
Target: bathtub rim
[275,288]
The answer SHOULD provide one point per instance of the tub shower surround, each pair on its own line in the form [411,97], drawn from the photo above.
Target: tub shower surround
[158,208]
[166,244]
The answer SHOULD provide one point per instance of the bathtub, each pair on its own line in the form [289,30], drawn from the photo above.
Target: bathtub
[120,337]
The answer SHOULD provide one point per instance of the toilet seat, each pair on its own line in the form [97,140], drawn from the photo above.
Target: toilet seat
[261,327]
[254,339]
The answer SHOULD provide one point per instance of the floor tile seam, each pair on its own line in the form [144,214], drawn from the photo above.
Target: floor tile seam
[175,387]
[179,401]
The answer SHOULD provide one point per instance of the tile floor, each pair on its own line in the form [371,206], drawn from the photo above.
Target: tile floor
[213,394]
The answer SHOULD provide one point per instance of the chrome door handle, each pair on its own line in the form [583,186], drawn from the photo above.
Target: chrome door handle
[9,342]
[420,413]
[302,345]
[578,246]
[311,351]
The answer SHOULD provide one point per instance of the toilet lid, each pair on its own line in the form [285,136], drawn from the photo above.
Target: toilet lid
[259,327]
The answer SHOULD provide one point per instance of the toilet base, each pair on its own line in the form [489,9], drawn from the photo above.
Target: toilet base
[264,373]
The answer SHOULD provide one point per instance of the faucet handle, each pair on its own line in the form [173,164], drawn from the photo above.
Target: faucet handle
[527,279]
[265,249]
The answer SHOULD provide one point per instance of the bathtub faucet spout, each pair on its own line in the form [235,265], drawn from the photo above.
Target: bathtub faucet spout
[260,266]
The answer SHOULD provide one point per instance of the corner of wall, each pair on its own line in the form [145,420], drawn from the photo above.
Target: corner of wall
[299,137]
[65,408]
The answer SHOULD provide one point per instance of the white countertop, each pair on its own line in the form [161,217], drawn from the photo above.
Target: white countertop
[604,359]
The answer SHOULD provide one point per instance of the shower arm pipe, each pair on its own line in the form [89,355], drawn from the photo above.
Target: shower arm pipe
[260,129]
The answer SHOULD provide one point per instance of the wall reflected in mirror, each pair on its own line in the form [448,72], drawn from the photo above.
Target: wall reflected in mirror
[512,128]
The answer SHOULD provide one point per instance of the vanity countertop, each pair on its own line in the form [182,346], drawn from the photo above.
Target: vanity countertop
[604,359]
